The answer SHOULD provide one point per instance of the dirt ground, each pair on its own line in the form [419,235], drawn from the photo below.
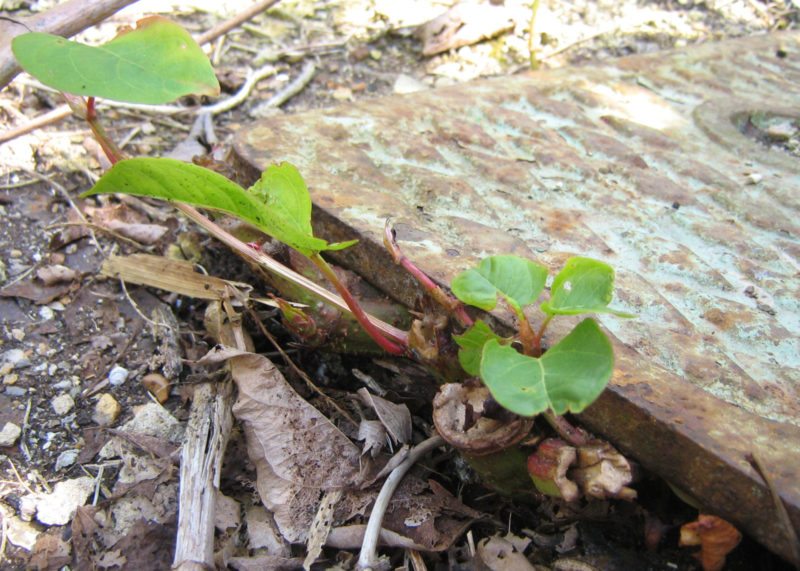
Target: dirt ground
[75,347]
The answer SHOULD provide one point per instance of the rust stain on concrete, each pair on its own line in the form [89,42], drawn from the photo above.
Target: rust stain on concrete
[657,164]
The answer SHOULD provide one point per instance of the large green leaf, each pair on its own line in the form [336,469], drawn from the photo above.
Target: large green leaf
[583,286]
[518,280]
[155,63]
[471,343]
[568,377]
[184,182]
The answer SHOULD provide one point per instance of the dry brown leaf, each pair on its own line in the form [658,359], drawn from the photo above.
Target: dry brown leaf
[716,538]
[49,552]
[602,472]
[548,467]
[261,562]
[499,554]
[297,451]
[464,24]
[56,274]
[395,417]
[373,433]
[321,527]
[143,233]
[177,276]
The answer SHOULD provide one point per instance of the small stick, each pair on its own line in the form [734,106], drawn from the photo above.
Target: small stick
[295,87]
[43,120]
[226,26]
[367,559]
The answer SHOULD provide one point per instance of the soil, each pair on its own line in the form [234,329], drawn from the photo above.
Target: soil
[66,337]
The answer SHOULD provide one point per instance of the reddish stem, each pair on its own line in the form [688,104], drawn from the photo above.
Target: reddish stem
[355,307]
[111,150]
[537,339]
[564,428]
[450,303]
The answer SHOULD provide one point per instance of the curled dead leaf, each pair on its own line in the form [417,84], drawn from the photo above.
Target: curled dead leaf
[395,417]
[716,538]
[602,472]
[548,468]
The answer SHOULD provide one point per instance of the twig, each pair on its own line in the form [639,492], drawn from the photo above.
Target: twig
[20,184]
[367,558]
[25,420]
[52,116]
[284,95]
[228,25]
[253,77]
[3,536]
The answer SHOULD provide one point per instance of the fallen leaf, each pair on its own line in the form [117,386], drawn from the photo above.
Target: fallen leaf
[321,527]
[297,451]
[56,274]
[140,232]
[373,433]
[36,292]
[261,562]
[395,417]
[49,553]
[716,538]
[548,468]
[602,472]
[499,554]
[464,24]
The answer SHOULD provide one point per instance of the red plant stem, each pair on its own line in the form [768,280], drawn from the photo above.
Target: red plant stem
[455,307]
[530,342]
[111,150]
[114,155]
[539,334]
[356,309]
[569,433]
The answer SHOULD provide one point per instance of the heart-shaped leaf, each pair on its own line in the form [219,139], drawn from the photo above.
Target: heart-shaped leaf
[471,343]
[568,377]
[184,182]
[583,286]
[518,280]
[155,63]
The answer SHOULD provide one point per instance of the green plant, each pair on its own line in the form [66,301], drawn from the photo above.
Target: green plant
[571,374]
[158,62]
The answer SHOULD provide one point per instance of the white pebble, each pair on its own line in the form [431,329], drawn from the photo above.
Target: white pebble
[118,375]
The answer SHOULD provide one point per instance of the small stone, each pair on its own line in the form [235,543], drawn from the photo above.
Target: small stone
[62,404]
[106,410]
[16,391]
[46,313]
[407,84]
[157,385]
[6,368]
[754,178]
[66,459]
[17,334]
[117,375]
[59,507]
[10,379]
[16,358]
[15,253]
[10,434]
[27,507]
[781,131]
[375,54]
[21,533]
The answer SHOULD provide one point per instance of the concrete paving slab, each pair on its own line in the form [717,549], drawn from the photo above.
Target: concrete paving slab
[681,169]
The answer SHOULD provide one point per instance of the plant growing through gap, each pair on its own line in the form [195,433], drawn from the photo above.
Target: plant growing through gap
[159,62]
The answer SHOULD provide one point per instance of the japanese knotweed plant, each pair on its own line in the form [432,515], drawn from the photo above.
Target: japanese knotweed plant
[159,62]
[571,374]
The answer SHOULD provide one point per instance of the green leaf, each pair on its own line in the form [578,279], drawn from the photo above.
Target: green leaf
[184,182]
[155,63]
[583,286]
[518,280]
[471,343]
[568,377]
